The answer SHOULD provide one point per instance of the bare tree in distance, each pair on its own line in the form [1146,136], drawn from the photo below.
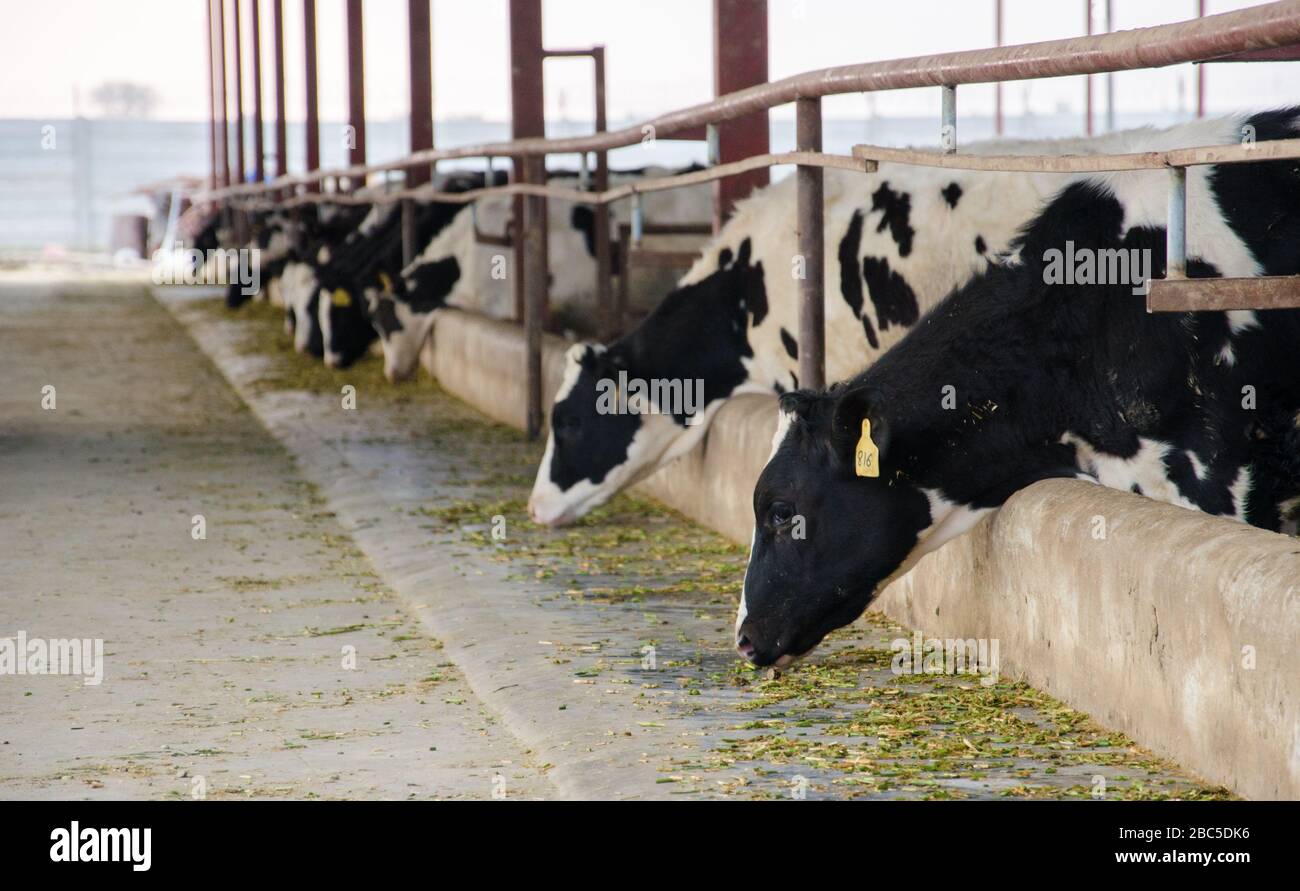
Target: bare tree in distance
[122,99]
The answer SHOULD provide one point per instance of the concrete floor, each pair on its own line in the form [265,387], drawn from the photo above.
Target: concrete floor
[224,658]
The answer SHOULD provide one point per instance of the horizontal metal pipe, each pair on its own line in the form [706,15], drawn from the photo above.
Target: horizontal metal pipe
[865,158]
[577,196]
[1236,153]
[1220,294]
[1256,28]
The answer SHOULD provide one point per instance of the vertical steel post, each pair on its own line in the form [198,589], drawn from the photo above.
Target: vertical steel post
[739,61]
[421,128]
[948,122]
[624,269]
[223,141]
[527,119]
[810,222]
[212,105]
[1200,70]
[409,247]
[997,87]
[259,147]
[1110,76]
[421,66]
[1087,78]
[610,325]
[281,143]
[1176,225]
[535,276]
[313,111]
[356,87]
[239,94]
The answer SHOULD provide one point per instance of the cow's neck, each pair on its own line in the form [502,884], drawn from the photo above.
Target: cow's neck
[699,332]
[976,398]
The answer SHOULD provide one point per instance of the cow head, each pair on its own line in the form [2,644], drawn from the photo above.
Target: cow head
[236,295]
[824,536]
[345,329]
[306,333]
[592,452]
[698,333]
[301,300]
[402,311]
[341,317]
[269,245]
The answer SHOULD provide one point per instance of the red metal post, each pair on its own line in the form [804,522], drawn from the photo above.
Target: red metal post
[313,114]
[1200,70]
[997,88]
[421,86]
[212,105]
[421,118]
[259,149]
[1087,78]
[739,61]
[239,94]
[526,113]
[356,87]
[810,233]
[1110,75]
[611,321]
[527,119]
[224,141]
[281,148]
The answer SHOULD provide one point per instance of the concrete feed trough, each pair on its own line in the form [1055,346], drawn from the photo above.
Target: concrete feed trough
[1171,625]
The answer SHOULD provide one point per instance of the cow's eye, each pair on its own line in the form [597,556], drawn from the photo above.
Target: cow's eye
[567,424]
[780,513]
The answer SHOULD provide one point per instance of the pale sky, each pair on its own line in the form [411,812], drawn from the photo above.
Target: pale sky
[659,54]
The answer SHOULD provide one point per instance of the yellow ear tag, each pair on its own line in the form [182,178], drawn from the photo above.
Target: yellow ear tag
[866,458]
[341,297]
[385,283]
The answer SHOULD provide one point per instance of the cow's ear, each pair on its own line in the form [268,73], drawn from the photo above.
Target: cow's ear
[855,405]
[799,403]
[590,356]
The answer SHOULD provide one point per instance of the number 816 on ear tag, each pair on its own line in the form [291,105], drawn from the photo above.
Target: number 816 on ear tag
[866,457]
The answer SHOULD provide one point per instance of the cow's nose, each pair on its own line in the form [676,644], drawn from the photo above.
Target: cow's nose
[745,647]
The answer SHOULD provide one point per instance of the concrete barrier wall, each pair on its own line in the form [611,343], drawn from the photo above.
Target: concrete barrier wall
[1152,628]
[714,483]
[1178,628]
[481,361]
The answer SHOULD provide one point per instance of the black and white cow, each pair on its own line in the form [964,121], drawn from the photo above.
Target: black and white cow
[1019,376]
[272,238]
[372,266]
[897,241]
[318,231]
[201,228]
[456,269]
[345,329]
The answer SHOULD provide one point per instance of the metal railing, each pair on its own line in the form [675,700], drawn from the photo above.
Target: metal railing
[1227,34]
